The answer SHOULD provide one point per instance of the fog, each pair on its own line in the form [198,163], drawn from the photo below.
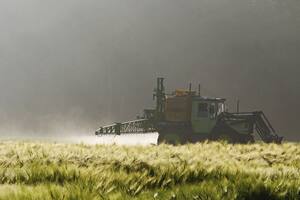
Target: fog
[69,66]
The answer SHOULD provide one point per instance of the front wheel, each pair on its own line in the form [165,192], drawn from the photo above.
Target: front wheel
[174,139]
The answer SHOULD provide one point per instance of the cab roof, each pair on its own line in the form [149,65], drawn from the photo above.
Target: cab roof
[203,98]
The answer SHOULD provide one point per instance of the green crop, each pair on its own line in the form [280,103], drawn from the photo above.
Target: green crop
[208,170]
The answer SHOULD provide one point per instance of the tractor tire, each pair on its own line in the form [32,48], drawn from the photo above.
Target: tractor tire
[174,139]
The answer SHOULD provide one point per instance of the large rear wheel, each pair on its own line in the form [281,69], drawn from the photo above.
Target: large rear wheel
[226,133]
[234,138]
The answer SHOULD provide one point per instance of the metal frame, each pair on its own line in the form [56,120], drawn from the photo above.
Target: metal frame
[135,126]
[261,124]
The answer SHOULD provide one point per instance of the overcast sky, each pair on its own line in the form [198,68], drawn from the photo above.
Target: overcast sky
[71,65]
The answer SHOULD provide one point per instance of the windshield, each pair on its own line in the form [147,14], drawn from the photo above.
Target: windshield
[221,108]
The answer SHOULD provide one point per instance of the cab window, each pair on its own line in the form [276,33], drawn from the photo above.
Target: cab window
[202,110]
[212,110]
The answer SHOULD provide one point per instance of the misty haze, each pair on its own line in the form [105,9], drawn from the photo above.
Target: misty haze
[149,99]
[67,67]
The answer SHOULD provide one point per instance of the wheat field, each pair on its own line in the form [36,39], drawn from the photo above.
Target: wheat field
[208,170]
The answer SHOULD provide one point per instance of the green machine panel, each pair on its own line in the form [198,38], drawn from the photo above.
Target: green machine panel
[203,117]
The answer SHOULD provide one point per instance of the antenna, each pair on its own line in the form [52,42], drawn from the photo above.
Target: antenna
[238,106]
[199,90]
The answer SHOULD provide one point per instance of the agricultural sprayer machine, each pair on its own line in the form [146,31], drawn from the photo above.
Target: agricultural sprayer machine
[187,116]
